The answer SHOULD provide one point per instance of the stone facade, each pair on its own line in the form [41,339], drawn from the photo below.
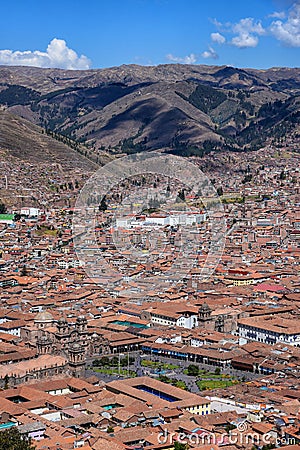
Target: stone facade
[75,342]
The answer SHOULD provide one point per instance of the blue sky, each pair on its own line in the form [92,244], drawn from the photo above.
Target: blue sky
[104,33]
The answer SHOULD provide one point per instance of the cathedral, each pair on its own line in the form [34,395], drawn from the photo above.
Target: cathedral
[223,321]
[74,341]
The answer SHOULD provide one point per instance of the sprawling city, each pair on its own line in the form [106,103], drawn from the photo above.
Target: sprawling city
[150,248]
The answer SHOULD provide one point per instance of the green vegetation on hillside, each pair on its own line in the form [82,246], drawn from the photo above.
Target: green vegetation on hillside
[18,95]
[207,98]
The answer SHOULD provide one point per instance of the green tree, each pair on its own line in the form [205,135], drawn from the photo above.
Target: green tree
[164,378]
[110,429]
[103,204]
[24,272]
[180,384]
[217,371]
[282,175]
[230,427]
[124,361]
[2,208]
[220,191]
[114,361]
[6,381]
[247,178]
[193,370]
[180,446]
[11,439]
[104,361]
[181,195]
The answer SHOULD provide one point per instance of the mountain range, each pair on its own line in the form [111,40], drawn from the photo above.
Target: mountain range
[185,109]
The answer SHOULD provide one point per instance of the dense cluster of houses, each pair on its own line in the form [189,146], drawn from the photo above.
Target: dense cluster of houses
[55,320]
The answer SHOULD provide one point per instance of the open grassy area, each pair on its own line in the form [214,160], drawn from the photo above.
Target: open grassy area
[210,380]
[156,365]
[45,231]
[214,384]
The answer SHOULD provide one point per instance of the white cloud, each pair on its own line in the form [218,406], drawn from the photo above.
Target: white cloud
[189,59]
[277,15]
[57,55]
[284,26]
[210,53]
[288,32]
[218,38]
[245,41]
[247,30]
[221,26]
[248,25]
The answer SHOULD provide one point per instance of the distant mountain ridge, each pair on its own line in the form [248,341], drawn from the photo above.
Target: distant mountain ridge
[188,109]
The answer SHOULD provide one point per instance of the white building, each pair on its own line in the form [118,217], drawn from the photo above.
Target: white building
[270,330]
[68,263]
[184,320]
[30,212]
[12,327]
[162,220]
